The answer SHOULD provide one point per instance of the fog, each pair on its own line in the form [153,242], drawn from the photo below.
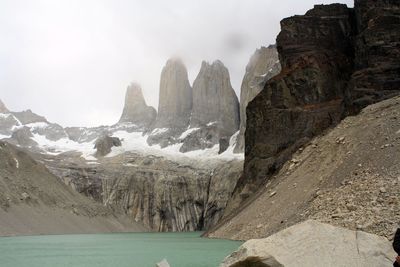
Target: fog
[71,60]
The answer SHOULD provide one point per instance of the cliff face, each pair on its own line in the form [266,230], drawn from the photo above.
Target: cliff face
[175,99]
[324,77]
[263,65]
[174,106]
[164,195]
[136,110]
[377,46]
[214,100]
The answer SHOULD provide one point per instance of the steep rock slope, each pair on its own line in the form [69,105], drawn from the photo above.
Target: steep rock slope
[349,177]
[135,109]
[175,104]
[215,113]
[33,201]
[263,65]
[214,100]
[318,84]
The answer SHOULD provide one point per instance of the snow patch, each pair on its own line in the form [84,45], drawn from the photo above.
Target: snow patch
[2,136]
[16,163]
[5,115]
[187,132]
[159,131]
[37,125]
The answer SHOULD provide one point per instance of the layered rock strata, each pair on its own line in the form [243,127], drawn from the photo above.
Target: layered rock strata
[319,83]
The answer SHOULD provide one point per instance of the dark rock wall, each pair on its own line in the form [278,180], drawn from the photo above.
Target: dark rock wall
[335,60]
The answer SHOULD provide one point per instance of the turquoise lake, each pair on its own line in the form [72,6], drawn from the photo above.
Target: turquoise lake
[119,250]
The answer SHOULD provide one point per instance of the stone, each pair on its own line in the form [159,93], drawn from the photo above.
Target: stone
[263,65]
[312,243]
[325,76]
[104,144]
[163,263]
[175,98]
[214,100]
[23,137]
[136,110]
[223,145]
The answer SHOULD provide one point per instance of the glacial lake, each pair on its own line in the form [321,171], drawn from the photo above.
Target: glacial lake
[114,250]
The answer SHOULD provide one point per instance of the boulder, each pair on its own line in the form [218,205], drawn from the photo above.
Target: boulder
[311,244]
[163,263]
[136,110]
[263,65]
[104,144]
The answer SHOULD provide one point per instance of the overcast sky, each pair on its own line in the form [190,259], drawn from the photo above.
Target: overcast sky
[71,60]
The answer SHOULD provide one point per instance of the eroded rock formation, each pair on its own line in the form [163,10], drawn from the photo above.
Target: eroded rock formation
[214,100]
[175,99]
[136,110]
[263,65]
[104,144]
[324,77]
[174,106]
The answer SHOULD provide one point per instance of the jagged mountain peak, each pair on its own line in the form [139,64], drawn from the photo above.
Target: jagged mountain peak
[136,110]
[3,108]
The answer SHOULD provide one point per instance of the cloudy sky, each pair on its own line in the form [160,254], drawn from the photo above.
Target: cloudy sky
[71,60]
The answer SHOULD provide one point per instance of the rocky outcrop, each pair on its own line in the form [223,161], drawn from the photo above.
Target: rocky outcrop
[3,108]
[263,65]
[175,98]
[297,246]
[214,100]
[215,112]
[377,52]
[316,87]
[22,137]
[174,106]
[104,144]
[27,116]
[136,110]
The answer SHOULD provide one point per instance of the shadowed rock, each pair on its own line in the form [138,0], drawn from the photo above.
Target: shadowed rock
[104,145]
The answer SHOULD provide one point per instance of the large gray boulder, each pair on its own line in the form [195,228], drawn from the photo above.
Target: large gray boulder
[175,99]
[136,110]
[104,144]
[214,100]
[263,65]
[3,108]
[312,243]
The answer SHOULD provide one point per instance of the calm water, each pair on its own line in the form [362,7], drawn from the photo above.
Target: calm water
[119,250]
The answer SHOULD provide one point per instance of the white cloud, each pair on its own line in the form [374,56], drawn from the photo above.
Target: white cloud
[71,60]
